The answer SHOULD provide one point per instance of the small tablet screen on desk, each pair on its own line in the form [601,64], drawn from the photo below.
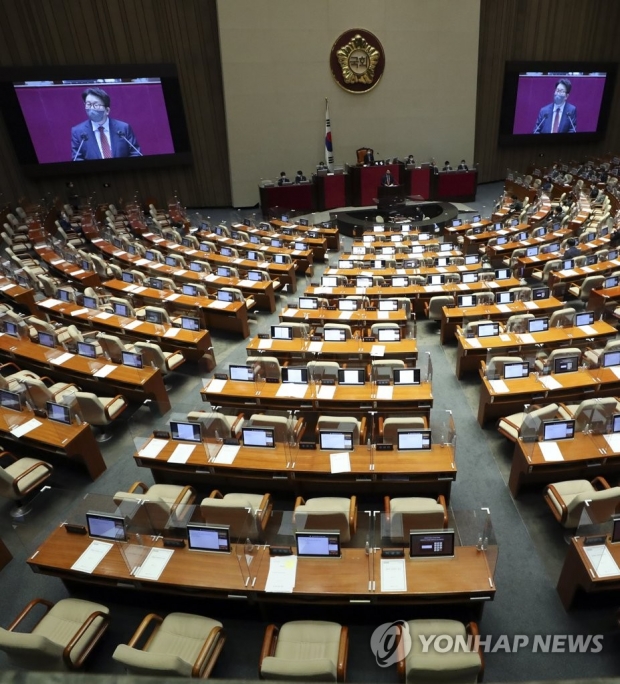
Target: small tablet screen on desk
[10,400]
[469,277]
[206,247]
[47,339]
[120,309]
[243,373]
[186,432]
[610,358]
[11,329]
[132,359]
[225,296]
[428,544]
[540,293]
[223,271]
[297,375]
[190,323]
[348,304]
[334,335]
[388,305]
[474,219]
[501,240]
[504,297]
[435,280]
[532,251]
[565,364]
[488,330]
[358,249]
[465,301]
[406,376]
[535,325]
[363,281]
[615,422]
[516,370]
[388,251]
[584,318]
[329,281]
[190,290]
[568,263]
[281,332]
[86,349]
[558,429]
[276,243]
[414,440]
[105,526]
[89,302]
[456,222]
[471,259]
[424,236]
[279,258]
[308,303]
[208,538]
[502,274]
[259,437]
[441,261]
[149,255]
[612,281]
[156,283]
[67,295]
[301,246]
[388,334]
[332,439]
[351,376]
[156,317]
[615,531]
[126,277]
[400,281]
[446,247]
[345,263]
[318,545]
[255,276]
[171,261]
[378,263]
[58,412]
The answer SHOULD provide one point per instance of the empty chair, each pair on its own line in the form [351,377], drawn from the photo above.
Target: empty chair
[100,411]
[549,267]
[344,424]
[590,283]
[245,515]
[568,500]
[515,256]
[61,640]
[404,514]
[471,329]
[218,425]
[526,421]
[236,293]
[518,323]
[154,355]
[543,361]
[22,478]
[592,413]
[436,305]
[157,315]
[167,503]
[389,427]
[495,367]
[340,326]
[593,356]
[376,327]
[562,317]
[521,293]
[452,278]
[331,513]
[319,370]
[298,329]
[124,303]
[113,347]
[39,393]
[305,650]
[265,367]
[138,276]
[180,645]
[286,429]
[383,369]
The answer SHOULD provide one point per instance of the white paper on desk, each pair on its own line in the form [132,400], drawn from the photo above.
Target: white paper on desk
[345,315]
[315,347]
[602,561]
[385,392]
[505,338]
[7,287]
[263,264]
[615,370]
[153,448]
[461,268]
[587,269]
[526,338]
[377,350]
[104,371]
[530,305]
[289,312]
[218,304]
[154,564]
[400,271]
[182,453]
[393,574]
[172,297]
[360,290]
[473,342]
[139,289]
[296,252]
[245,283]
[588,329]
[55,262]
[59,360]
[265,344]
[49,303]
[172,332]
[499,386]
[504,308]
[291,389]
[534,258]
[91,558]
[156,265]
[441,269]
[614,441]
[340,462]
[551,451]
[216,385]
[434,288]
[132,325]
[326,392]
[491,283]
[383,315]
[25,428]
[180,272]
[463,286]
[104,315]
[568,272]
[281,576]
[549,382]
[227,454]
[141,262]
[129,288]
[79,312]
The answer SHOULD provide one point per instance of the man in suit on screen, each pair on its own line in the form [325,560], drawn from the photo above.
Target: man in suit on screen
[101,137]
[560,116]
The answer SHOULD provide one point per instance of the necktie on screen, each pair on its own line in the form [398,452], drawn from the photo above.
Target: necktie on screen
[105,144]
[556,121]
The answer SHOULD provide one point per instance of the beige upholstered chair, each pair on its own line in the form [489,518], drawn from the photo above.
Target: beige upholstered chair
[305,650]
[593,356]
[376,327]
[404,514]
[589,284]
[511,426]
[542,360]
[38,392]
[246,515]
[383,369]
[113,347]
[61,640]
[345,424]
[284,427]
[180,645]
[567,500]
[161,502]
[153,355]
[562,317]
[595,413]
[457,666]
[518,323]
[495,368]
[213,422]
[20,479]
[319,370]
[100,411]
[340,326]
[327,513]
[265,367]
[389,427]
[436,305]
[156,314]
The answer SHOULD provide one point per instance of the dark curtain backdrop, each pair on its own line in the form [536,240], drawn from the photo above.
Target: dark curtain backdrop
[181,32]
[554,30]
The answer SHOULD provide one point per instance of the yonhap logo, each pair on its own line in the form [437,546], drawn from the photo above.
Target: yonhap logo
[389,641]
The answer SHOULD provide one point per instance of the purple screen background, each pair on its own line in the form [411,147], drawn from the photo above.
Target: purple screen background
[51,111]
[535,92]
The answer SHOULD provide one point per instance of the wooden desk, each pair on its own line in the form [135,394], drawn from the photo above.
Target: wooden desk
[472,244]
[498,252]
[358,319]
[584,458]
[451,318]
[68,271]
[75,442]
[473,350]
[578,577]
[577,275]
[603,299]
[331,235]
[22,297]
[346,399]
[305,472]
[452,232]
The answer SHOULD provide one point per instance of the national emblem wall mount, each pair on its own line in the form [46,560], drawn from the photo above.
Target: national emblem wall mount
[357,61]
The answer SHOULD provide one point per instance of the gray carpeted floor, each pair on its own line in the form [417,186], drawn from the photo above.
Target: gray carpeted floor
[531,544]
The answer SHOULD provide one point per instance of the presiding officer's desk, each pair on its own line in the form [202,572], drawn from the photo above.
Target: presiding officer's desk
[361,318]
[471,351]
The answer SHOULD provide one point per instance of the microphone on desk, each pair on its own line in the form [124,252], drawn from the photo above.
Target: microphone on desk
[126,139]
[84,138]
[540,123]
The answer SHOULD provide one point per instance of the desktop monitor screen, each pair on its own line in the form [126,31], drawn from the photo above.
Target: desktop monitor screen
[400,281]
[206,247]
[333,439]
[345,263]
[471,259]
[469,277]
[348,304]
[351,376]
[610,358]
[120,309]
[446,247]
[252,255]
[475,218]
[149,255]
[488,329]
[363,281]
[615,422]
[558,429]
[517,369]
[612,281]
[297,375]
[127,277]
[414,440]
[565,364]
[442,261]
[591,259]
[190,323]
[540,293]
[47,339]
[504,297]
[329,281]
[406,376]
[187,432]
[259,437]
[388,335]
[223,271]
[86,349]
[532,251]
[156,283]
[65,295]
[568,263]
[154,317]
[255,276]
[279,258]
[378,263]
[613,254]
[195,266]
[334,335]
[456,222]
[281,332]
[308,303]
[208,538]
[429,544]
[186,242]
[584,318]
[553,247]
[535,325]
[132,359]
[170,261]
[190,290]
[502,274]
[225,296]
[10,400]
[501,240]
[276,243]
[58,412]
[318,544]
[106,526]
[11,329]
[301,246]
[243,373]
[465,301]
[388,305]
[89,302]
[435,279]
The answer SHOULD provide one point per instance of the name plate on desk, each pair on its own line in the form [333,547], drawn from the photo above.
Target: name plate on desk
[383,382]
[384,447]
[316,338]
[220,376]
[369,339]
[263,336]
[310,446]
[273,381]
[371,308]
[328,382]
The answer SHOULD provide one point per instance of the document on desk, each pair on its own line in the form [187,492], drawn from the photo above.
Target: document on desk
[91,558]
[6,287]
[315,347]
[505,338]
[49,303]
[104,315]
[549,382]
[492,283]
[588,329]
[473,342]
[227,454]
[613,440]
[587,269]
[615,370]
[141,262]
[289,312]
[383,315]
[182,453]
[281,576]
[216,385]
[499,386]
[602,561]
[393,575]
[139,289]
[172,297]
[132,325]
[326,392]
[345,315]
[172,332]
[153,448]
[211,278]
[568,272]
[551,451]
[441,269]
[265,344]
[526,338]
[340,462]
[530,305]
[79,312]
[59,360]
[25,428]
[503,308]
[130,288]
[377,350]
[217,304]
[154,564]
[245,283]
[291,389]
[385,392]
[360,290]
[104,371]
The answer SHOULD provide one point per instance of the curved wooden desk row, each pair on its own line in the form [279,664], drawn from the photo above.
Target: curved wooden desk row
[360,318]
[351,273]
[333,400]
[499,252]
[308,471]
[317,245]
[577,275]
[194,345]
[133,383]
[331,235]
[213,314]
[66,270]
[473,350]
[303,351]
[21,297]
[464,579]
[603,299]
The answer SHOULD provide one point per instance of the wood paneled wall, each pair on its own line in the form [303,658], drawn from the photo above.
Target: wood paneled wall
[182,32]
[513,30]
